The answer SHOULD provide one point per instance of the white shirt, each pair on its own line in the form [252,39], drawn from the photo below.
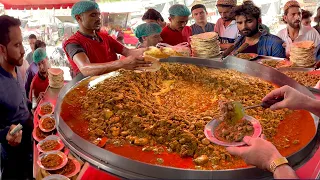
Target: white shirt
[227,34]
[305,34]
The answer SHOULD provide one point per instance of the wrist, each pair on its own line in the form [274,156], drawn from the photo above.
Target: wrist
[273,157]
[311,105]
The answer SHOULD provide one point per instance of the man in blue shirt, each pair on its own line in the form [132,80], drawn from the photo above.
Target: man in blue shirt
[248,19]
[16,150]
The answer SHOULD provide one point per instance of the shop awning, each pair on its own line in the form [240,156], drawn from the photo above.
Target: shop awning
[35,4]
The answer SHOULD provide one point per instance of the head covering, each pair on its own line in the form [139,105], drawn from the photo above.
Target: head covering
[179,10]
[147,29]
[290,4]
[39,55]
[227,2]
[83,6]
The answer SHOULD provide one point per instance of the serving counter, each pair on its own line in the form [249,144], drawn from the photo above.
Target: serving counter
[306,162]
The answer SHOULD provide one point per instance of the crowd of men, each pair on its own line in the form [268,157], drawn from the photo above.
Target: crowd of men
[237,25]
[93,52]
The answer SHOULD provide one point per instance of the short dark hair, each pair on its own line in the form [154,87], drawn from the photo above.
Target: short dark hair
[197,6]
[224,6]
[306,14]
[32,36]
[6,22]
[39,44]
[247,9]
[152,14]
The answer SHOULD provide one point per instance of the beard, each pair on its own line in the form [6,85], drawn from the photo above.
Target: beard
[295,24]
[13,61]
[250,32]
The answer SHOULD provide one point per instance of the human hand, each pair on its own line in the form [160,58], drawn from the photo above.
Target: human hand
[259,152]
[132,63]
[14,140]
[293,99]
[284,45]
[137,52]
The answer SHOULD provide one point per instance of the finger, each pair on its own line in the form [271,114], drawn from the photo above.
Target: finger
[12,127]
[143,65]
[263,137]
[143,62]
[279,105]
[139,58]
[277,93]
[247,140]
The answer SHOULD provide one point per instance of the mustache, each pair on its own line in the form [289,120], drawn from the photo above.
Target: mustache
[245,30]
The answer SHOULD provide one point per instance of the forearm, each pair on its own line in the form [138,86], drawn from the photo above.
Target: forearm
[92,69]
[284,172]
[313,106]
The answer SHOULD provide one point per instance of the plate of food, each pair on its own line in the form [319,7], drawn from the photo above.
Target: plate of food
[39,135]
[56,177]
[50,143]
[274,63]
[52,160]
[232,127]
[46,108]
[70,169]
[247,56]
[47,123]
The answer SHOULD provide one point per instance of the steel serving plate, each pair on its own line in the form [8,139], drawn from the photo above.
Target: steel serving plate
[127,168]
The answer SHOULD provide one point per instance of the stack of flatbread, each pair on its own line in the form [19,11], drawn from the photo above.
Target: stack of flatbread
[56,79]
[302,54]
[205,45]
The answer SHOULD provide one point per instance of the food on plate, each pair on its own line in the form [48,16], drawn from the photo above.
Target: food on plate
[50,145]
[46,108]
[304,78]
[205,45]
[247,56]
[155,52]
[48,123]
[170,51]
[234,133]
[271,63]
[66,170]
[167,108]
[231,112]
[51,161]
[302,53]
[40,134]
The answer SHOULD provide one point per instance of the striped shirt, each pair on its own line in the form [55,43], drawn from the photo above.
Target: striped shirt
[227,34]
[196,29]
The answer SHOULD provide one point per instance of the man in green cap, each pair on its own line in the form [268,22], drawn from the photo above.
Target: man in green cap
[92,52]
[40,81]
[148,34]
[177,32]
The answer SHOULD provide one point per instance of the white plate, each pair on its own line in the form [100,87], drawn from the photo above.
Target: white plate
[45,103]
[51,137]
[61,154]
[213,124]
[56,177]
[41,121]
